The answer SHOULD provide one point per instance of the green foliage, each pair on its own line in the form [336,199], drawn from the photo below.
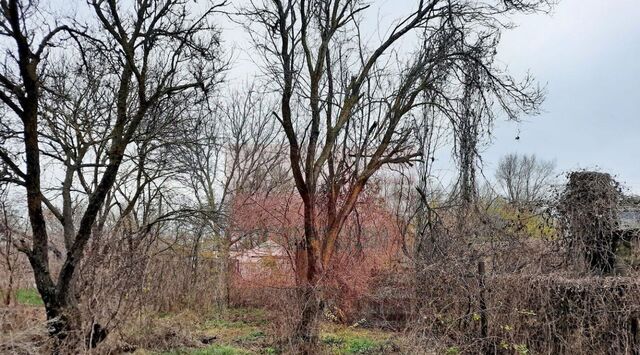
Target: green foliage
[212,350]
[361,346]
[29,297]
[352,344]
[333,340]
[521,349]
[453,350]
[523,221]
[504,344]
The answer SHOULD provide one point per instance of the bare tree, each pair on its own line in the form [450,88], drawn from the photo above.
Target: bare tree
[141,56]
[236,152]
[345,111]
[8,251]
[467,127]
[524,179]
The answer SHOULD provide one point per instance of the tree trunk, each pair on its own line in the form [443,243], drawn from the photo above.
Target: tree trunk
[7,296]
[63,316]
[63,323]
[306,333]
[223,278]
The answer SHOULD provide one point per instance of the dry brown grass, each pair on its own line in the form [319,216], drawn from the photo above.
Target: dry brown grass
[22,330]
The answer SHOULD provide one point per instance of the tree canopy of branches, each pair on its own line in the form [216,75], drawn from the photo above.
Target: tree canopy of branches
[116,122]
[345,108]
[86,116]
[235,151]
[524,179]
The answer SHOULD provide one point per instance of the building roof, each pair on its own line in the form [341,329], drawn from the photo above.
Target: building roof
[629,218]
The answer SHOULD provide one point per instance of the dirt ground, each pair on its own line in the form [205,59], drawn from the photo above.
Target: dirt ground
[240,331]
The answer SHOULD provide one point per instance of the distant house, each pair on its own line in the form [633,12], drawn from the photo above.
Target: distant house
[629,218]
[629,214]
[264,257]
[270,228]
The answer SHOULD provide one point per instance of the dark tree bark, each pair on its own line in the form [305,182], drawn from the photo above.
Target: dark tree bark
[128,43]
[365,115]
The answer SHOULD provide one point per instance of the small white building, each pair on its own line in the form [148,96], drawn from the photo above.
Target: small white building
[260,260]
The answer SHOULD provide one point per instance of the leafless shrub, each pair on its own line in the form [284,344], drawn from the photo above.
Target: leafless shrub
[559,314]
[484,286]
[158,334]
[22,330]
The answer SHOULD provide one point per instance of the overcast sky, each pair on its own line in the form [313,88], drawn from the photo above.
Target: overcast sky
[588,54]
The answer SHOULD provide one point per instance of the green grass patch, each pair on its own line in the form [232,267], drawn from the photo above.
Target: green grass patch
[349,340]
[237,328]
[333,340]
[346,344]
[252,336]
[212,350]
[242,331]
[224,323]
[29,297]
[361,346]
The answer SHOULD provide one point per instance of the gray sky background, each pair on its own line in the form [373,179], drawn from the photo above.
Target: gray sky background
[588,53]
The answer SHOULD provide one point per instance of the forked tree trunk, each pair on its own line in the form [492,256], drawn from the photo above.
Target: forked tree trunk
[64,324]
[63,320]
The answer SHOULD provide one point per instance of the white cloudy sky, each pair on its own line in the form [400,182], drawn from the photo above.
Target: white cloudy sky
[587,52]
